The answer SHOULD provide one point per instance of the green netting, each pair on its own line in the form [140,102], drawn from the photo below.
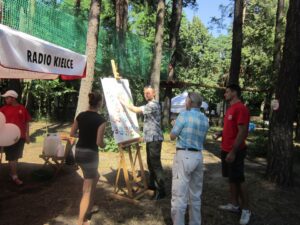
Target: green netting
[53,24]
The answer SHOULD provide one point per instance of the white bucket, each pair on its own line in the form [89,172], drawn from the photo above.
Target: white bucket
[52,144]
[61,151]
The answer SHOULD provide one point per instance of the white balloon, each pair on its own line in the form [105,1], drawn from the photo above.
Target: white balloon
[2,120]
[9,134]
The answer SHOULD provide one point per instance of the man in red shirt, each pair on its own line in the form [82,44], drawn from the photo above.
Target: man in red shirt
[17,114]
[234,134]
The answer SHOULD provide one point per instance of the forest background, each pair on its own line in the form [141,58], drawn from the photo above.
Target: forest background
[154,42]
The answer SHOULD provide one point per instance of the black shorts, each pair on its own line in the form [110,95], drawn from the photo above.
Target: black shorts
[88,160]
[235,170]
[15,151]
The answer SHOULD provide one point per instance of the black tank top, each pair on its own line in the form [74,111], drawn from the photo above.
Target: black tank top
[88,124]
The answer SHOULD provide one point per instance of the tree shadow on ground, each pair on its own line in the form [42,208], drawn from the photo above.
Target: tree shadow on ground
[51,128]
[268,202]
[56,202]
[147,211]
[36,201]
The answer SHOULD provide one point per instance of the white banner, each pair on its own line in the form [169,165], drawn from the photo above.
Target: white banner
[124,123]
[25,52]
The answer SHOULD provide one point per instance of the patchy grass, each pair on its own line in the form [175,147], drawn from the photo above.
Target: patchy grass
[257,142]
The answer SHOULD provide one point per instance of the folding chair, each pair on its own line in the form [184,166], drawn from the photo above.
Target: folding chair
[57,162]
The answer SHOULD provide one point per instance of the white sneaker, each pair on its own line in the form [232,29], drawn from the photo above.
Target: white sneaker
[230,207]
[245,217]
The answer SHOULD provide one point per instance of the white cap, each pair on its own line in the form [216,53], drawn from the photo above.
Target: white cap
[10,93]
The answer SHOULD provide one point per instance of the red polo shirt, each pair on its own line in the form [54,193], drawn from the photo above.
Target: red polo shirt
[17,115]
[236,114]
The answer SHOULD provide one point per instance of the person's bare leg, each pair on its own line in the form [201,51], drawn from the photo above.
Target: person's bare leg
[244,196]
[85,200]
[233,189]
[13,167]
[13,172]
[92,199]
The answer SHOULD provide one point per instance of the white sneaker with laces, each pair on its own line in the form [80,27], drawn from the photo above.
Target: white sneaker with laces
[245,216]
[230,207]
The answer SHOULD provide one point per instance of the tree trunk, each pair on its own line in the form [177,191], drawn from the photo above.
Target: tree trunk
[121,18]
[167,107]
[91,52]
[297,136]
[279,32]
[159,38]
[121,28]
[1,10]
[77,4]
[237,42]
[32,7]
[77,7]
[280,155]
[174,36]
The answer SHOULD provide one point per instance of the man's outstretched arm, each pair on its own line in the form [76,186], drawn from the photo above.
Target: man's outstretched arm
[132,108]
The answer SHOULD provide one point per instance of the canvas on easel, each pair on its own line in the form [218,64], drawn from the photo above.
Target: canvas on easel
[124,123]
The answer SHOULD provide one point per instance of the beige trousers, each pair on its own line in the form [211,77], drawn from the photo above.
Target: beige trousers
[187,182]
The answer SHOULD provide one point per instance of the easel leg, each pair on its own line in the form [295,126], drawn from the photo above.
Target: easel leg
[134,175]
[125,171]
[135,184]
[118,174]
[138,153]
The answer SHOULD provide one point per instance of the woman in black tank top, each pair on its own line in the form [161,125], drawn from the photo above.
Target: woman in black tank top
[91,127]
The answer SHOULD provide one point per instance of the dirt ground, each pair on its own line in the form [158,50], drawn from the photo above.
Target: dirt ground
[56,201]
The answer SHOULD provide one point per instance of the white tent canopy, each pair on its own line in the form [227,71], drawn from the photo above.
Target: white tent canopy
[178,103]
[28,57]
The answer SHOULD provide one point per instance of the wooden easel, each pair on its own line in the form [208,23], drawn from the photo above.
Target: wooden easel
[136,183]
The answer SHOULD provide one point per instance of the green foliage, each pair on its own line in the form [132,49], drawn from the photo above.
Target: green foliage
[107,17]
[258,143]
[203,59]
[111,145]
[142,20]
[258,45]
[49,98]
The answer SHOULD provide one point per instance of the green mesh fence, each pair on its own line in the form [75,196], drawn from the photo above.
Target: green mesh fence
[53,24]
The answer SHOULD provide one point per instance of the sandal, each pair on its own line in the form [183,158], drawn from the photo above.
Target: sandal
[88,215]
[16,181]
